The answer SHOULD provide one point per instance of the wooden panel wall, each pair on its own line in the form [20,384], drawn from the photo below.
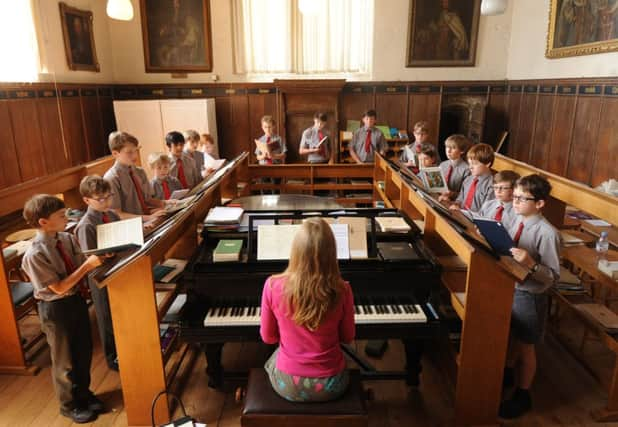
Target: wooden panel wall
[45,128]
[567,126]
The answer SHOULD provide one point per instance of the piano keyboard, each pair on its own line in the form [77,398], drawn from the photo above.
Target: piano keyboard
[363,314]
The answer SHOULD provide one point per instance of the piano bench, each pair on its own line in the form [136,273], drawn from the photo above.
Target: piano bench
[264,407]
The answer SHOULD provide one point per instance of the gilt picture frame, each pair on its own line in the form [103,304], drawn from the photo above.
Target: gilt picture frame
[442,33]
[78,35]
[177,36]
[581,28]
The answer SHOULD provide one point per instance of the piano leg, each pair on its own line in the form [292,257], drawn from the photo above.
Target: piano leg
[414,353]
[214,369]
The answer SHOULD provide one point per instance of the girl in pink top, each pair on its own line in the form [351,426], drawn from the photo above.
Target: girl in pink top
[309,311]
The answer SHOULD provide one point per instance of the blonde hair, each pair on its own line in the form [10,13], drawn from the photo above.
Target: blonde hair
[313,282]
[268,119]
[155,159]
[191,135]
[117,140]
[461,142]
[422,126]
[207,139]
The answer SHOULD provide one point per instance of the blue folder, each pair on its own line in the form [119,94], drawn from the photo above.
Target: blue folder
[496,235]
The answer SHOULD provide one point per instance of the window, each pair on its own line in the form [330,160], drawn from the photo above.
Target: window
[18,43]
[274,36]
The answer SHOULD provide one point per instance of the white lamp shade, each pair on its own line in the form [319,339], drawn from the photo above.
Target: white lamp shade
[493,7]
[120,9]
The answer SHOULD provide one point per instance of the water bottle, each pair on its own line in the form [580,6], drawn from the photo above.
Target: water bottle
[602,247]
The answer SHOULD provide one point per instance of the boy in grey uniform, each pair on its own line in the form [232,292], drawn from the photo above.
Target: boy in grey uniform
[131,193]
[192,139]
[163,184]
[478,187]
[182,165]
[57,269]
[310,141]
[276,146]
[96,193]
[537,248]
[455,169]
[367,140]
[501,208]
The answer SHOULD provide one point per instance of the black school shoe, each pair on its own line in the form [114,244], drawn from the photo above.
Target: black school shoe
[93,404]
[79,415]
[517,405]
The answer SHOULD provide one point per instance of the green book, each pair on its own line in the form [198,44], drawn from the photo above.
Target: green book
[227,250]
[352,125]
[385,130]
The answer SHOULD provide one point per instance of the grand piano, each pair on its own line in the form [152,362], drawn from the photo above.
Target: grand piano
[393,298]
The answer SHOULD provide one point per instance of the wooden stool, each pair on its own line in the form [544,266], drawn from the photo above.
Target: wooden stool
[264,407]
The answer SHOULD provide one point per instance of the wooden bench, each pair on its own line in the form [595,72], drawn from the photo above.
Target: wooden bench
[263,407]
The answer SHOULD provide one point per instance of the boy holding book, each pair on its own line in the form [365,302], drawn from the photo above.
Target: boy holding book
[537,247]
[501,208]
[96,193]
[313,143]
[270,148]
[478,187]
[131,194]
[428,156]
[57,269]
[455,169]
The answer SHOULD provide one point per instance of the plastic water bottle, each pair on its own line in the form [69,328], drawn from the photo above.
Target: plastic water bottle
[602,247]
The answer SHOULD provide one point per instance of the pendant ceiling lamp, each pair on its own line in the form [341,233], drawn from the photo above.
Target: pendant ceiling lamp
[493,7]
[120,9]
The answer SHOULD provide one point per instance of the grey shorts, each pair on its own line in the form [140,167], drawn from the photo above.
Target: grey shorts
[529,316]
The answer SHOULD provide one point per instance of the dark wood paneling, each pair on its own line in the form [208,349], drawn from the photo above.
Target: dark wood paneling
[514,108]
[9,173]
[525,128]
[93,127]
[73,130]
[496,119]
[543,122]
[560,141]
[295,125]
[585,132]
[232,125]
[425,107]
[606,157]
[108,120]
[392,109]
[29,145]
[353,105]
[51,132]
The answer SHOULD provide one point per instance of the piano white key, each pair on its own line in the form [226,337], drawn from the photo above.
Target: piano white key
[362,317]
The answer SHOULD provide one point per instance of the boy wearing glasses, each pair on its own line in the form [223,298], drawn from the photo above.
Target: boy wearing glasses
[97,194]
[501,208]
[537,247]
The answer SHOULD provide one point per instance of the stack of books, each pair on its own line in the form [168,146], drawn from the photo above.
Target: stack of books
[392,224]
[223,218]
[609,268]
[569,284]
[227,250]
[570,240]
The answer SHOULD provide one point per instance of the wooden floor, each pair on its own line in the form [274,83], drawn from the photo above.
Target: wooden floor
[564,393]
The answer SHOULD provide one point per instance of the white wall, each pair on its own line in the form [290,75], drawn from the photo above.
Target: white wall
[51,44]
[390,29]
[526,58]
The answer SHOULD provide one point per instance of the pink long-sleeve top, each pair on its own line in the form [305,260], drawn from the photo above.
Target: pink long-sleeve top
[302,352]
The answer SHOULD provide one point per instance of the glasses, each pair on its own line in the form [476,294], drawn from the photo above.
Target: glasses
[501,188]
[102,199]
[523,199]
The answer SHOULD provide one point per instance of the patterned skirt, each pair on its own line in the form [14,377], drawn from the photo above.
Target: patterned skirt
[305,389]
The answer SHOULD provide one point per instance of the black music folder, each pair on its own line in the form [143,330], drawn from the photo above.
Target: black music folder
[397,251]
[496,235]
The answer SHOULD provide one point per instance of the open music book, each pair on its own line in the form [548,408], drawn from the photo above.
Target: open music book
[275,241]
[118,236]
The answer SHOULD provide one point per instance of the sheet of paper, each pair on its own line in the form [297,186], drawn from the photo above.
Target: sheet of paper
[357,235]
[598,222]
[212,163]
[128,231]
[342,240]
[275,241]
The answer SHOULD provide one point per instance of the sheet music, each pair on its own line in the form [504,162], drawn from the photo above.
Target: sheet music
[342,240]
[128,231]
[357,235]
[275,241]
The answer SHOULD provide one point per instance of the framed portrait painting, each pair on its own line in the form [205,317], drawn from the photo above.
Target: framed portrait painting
[582,27]
[78,37]
[442,33]
[177,36]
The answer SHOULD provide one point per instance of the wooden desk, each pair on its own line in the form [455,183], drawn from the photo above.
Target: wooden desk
[612,232]
[586,258]
[482,296]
